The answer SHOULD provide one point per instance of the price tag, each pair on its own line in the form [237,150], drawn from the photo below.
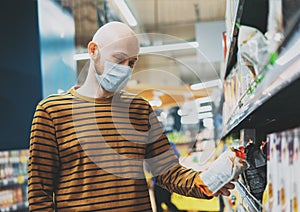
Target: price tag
[5,181]
[14,207]
[21,179]
[23,159]
[15,180]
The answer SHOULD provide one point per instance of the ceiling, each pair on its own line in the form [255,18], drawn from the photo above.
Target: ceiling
[159,22]
[175,17]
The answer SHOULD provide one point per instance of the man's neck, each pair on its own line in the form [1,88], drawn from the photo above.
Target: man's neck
[92,89]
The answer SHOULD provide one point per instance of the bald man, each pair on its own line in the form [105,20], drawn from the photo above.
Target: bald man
[88,146]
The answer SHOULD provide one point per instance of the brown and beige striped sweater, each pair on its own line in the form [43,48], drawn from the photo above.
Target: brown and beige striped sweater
[88,154]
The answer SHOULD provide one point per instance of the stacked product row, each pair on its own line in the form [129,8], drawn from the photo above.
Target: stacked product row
[283,188]
[13,175]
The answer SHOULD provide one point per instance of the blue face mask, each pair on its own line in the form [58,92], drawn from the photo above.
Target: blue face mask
[114,77]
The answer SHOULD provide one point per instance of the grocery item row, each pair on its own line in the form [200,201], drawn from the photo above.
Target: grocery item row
[13,180]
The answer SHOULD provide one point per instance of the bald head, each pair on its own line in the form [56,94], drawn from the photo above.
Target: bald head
[115,42]
[116,32]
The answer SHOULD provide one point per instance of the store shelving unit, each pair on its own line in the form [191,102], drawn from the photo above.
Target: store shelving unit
[271,103]
[276,78]
[15,207]
[13,181]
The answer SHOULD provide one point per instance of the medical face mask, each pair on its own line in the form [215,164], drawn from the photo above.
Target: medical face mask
[114,77]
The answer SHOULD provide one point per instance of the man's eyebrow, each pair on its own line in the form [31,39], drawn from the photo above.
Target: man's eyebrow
[121,53]
[126,55]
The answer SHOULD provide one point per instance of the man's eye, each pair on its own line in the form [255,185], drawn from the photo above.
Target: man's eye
[120,59]
[131,63]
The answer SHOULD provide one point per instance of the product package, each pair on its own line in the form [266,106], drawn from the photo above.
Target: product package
[253,50]
[273,172]
[285,177]
[296,173]
[228,166]
[275,24]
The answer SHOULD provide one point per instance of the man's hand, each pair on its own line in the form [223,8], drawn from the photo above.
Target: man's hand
[225,190]
[218,178]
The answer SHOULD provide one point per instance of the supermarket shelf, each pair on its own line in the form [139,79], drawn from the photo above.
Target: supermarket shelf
[244,16]
[12,160]
[13,181]
[232,50]
[275,78]
[15,207]
[249,202]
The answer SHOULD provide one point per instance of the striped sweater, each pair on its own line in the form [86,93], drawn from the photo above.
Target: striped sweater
[88,154]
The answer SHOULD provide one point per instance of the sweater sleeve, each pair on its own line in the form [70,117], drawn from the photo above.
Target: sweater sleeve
[165,166]
[43,164]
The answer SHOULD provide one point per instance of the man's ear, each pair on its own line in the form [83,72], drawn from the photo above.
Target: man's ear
[93,50]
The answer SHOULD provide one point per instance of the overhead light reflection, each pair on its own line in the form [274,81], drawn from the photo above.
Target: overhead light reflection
[289,54]
[205,115]
[169,47]
[123,7]
[151,49]
[208,84]
[204,109]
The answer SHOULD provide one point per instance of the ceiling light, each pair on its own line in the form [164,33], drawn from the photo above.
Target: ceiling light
[208,84]
[150,49]
[179,112]
[203,100]
[169,47]
[155,102]
[82,56]
[123,7]
[204,109]
[205,115]
[189,120]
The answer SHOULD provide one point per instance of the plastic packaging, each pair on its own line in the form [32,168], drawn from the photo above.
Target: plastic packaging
[253,50]
[228,166]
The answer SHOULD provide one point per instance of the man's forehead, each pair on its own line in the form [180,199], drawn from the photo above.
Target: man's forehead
[127,46]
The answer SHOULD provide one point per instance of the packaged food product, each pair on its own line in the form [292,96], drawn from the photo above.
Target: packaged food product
[284,178]
[228,166]
[296,174]
[253,50]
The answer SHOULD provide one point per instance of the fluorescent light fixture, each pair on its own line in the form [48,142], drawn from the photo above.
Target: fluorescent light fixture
[169,47]
[189,120]
[203,100]
[204,109]
[208,84]
[179,112]
[156,102]
[151,49]
[123,7]
[205,115]
[290,54]
[82,56]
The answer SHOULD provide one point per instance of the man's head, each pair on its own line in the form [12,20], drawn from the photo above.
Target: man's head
[114,42]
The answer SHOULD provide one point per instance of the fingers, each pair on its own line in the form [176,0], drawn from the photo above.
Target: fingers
[235,179]
[229,186]
[217,194]
[225,190]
